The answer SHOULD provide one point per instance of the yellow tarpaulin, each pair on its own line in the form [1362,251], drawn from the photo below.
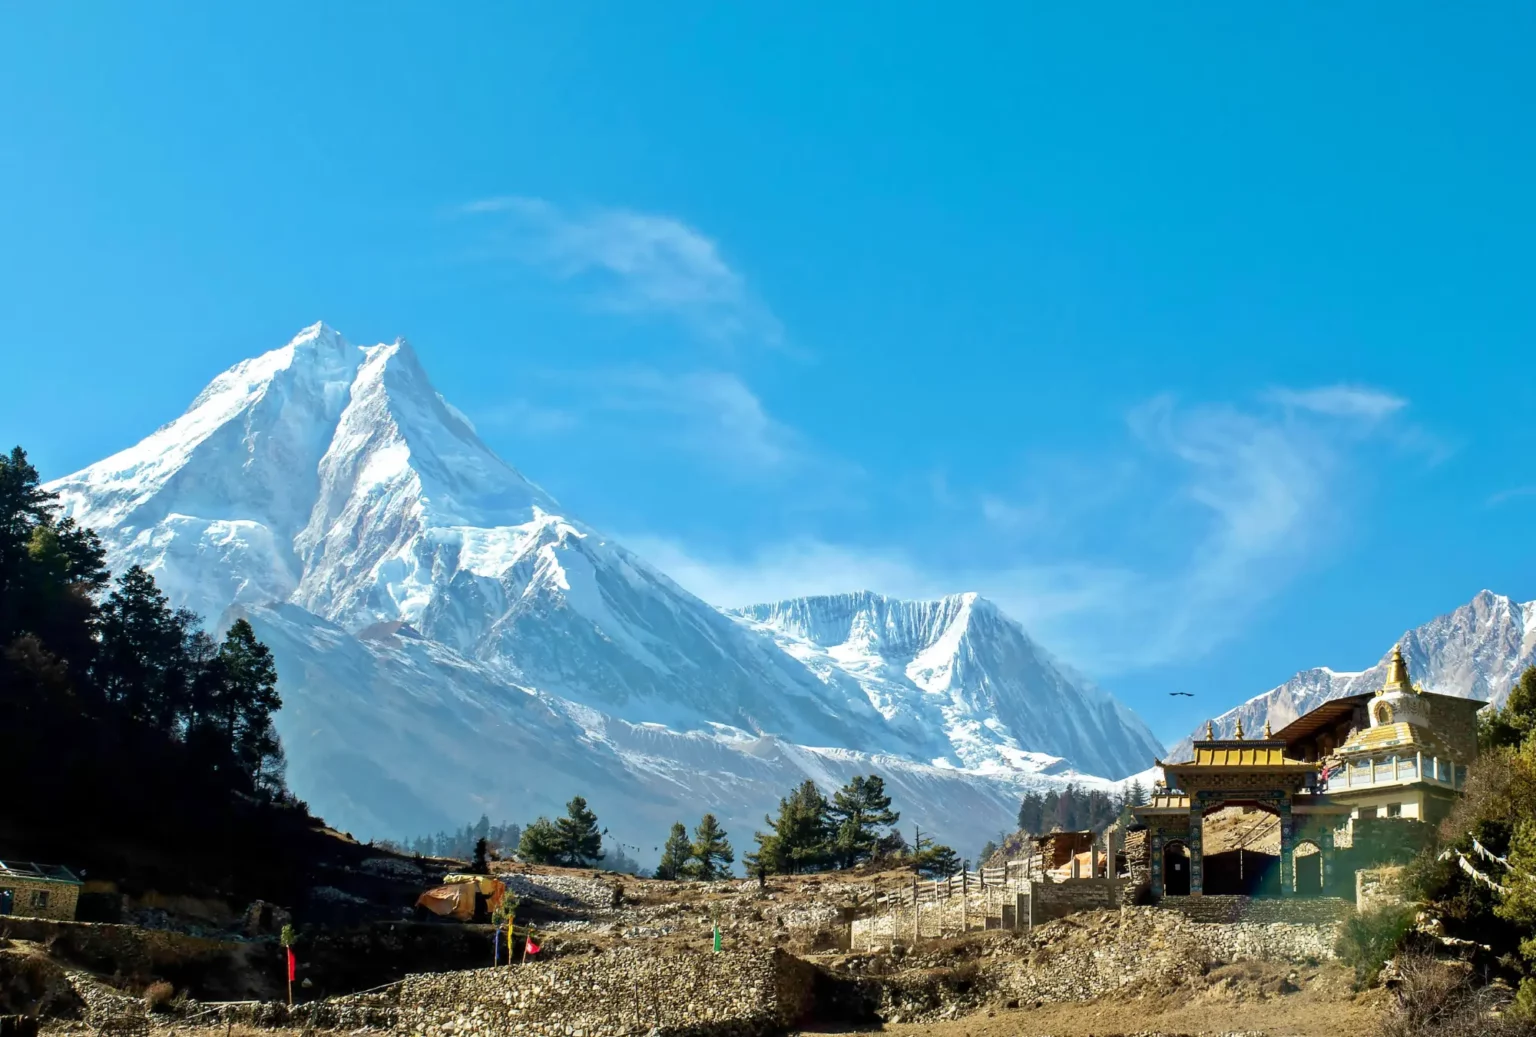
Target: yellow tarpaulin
[456,899]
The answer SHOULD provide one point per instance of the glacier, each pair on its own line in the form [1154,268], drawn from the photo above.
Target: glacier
[451,641]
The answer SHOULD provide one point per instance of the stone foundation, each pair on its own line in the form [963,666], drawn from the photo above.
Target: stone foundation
[1295,910]
[628,991]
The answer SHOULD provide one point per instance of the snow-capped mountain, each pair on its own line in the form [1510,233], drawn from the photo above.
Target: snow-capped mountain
[961,674]
[450,640]
[1477,651]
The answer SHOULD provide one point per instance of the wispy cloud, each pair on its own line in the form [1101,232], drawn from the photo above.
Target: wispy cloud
[1505,496]
[1345,401]
[641,263]
[707,412]
[710,415]
[1209,511]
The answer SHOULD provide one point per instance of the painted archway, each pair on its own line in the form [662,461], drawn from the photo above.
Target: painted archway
[1308,862]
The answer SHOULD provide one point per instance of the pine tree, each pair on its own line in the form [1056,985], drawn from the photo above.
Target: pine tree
[1510,724]
[1032,813]
[711,854]
[799,839]
[858,810]
[675,854]
[142,644]
[540,843]
[481,864]
[247,700]
[580,841]
[939,861]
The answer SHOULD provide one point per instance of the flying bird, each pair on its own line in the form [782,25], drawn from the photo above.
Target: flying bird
[1186,694]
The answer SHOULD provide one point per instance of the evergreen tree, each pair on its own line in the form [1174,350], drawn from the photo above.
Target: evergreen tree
[858,810]
[986,853]
[139,666]
[675,854]
[1510,725]
[1032,813]
[246,700]
[118,698]
[939,862]
[481,863]
[540,843]
[711,854]
[580,841]
[799,839]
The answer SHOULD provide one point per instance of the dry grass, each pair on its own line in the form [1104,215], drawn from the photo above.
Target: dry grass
[1442,999]
[158,996]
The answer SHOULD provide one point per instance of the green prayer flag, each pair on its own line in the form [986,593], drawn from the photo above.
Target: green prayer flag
[717,938]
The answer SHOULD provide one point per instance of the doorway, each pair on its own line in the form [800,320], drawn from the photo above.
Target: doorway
[1176,870]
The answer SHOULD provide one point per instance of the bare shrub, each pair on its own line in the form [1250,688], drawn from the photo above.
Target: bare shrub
[1440,999]
[158,996]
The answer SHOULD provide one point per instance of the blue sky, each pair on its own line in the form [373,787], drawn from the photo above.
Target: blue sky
[1199,336]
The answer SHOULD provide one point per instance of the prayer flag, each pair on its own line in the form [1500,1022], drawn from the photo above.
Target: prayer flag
[293,964]
[530,946]
[717,937]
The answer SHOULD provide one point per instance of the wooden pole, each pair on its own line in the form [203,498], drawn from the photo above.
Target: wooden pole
[965,897]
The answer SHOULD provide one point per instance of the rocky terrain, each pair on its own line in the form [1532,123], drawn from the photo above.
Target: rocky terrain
[1131,970]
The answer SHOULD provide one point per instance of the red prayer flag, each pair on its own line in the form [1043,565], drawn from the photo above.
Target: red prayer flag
[531,947]
[292,964]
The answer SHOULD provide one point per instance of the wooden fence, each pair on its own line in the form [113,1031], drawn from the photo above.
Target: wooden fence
[989,898]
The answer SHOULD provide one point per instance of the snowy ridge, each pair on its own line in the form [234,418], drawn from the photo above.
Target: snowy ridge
[959,668]
[451,640]
[1476,651]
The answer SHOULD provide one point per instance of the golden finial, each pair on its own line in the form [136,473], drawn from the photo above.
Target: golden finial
[1210,731]
[1267,732]
[1397,672]
[1238,734]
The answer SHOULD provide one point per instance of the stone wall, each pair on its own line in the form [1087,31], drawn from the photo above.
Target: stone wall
[1377,888]
[1296,910]
[1050,900]
[1089,956]
[627,991]
[40,898]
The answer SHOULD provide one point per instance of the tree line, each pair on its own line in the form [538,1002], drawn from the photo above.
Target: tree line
[1076,809]
[462,843]
[121,712]
[810,833]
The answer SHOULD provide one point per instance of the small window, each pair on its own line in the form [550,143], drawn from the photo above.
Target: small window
[1394,810]
[40,898]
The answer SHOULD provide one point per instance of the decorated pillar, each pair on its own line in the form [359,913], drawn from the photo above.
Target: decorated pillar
[1155,852]
[1325,847]
[1287,850]
[1196,854]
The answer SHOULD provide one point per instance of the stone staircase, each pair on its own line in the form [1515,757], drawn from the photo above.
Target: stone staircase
[1300,910]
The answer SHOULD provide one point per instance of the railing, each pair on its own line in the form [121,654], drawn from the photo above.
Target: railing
[987,898]
[1393,769]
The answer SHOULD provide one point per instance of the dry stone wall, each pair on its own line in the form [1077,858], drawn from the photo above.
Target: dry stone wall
[628,991]
[1091,955]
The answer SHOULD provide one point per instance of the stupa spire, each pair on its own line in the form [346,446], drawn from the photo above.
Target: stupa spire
[1397,673]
